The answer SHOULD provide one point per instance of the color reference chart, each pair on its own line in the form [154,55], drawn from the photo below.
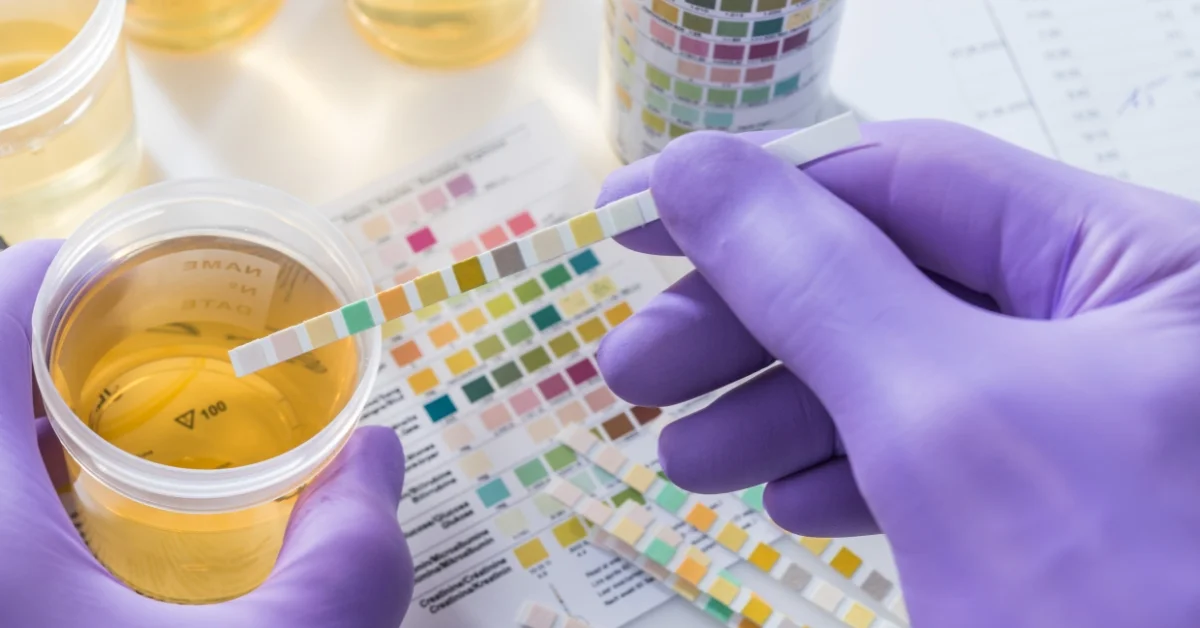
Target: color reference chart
[478,384]
[511,260]
[682,65]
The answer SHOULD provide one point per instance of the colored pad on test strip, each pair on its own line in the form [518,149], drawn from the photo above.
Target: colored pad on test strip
[632,531]
[539,247]
[725,532]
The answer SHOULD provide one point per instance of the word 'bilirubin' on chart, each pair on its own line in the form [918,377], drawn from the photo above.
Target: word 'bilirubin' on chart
[542,246]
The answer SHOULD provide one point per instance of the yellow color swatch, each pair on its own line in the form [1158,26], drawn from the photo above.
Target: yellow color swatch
[764,557]
[815,544]
[653,121]
[602,288]
[443,334]
[586,229]
[639,477]
[431,288]
[476,464]
[393,327]
[732,537]
[723,591]
[423,381]
[461,362]
[756,610]
[427,313]
[469,274]
[799,18]
[628,531]
[531,553]
[618,313]
[666,11]
[702,517]
[321,330]
[846,562]
[572,304]
[472,320]
[570,532]
[591,330]
[500,306]
[859,616]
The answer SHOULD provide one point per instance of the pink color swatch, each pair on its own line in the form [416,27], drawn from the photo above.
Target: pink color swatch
[725,75]
[406,213]
[495,417]
[493,237]
[393,253]
[521,223]
[464,250]
[421,239]
[407,275]
[694,46]
[690,69]
[599,399]
[762,73]
[662,33]
[433,200]
[552,386]
[524,401]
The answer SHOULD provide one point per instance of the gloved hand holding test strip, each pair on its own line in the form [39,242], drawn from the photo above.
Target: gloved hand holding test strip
[542,246]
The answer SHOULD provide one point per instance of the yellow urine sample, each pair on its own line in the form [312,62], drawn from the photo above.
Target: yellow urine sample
[444,33]
[141,357]
[192,25]
[59,166]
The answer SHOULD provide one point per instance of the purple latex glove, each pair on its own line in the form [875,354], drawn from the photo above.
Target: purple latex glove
[1034,467]
[344,560]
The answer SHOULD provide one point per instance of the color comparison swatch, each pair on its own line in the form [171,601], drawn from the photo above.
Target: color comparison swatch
[517,256]
[736,65]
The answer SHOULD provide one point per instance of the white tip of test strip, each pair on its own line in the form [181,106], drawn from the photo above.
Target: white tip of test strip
[817,141]
[247,358]
[534,615]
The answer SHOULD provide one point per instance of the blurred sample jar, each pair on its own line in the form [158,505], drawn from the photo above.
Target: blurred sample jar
[68,143]
[182,476]
[196,25]
[445,33]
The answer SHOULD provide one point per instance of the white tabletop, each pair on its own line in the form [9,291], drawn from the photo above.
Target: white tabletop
[308,107]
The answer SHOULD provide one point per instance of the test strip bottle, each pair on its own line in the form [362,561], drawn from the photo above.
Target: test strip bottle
[444,33]
[182,476]
[197,25]
[675,66]
[68,143]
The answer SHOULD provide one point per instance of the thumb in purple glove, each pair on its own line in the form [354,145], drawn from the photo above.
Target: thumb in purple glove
[1031,468]
[344,561]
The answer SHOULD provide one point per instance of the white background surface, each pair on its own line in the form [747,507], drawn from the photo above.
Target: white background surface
[306,106]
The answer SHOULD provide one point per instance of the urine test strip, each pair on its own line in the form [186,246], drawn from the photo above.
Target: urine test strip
[873,583]
[726,533]
[613,219]
[842,559]
[633,533]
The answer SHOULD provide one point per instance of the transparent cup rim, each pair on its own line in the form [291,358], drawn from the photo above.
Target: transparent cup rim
[67,72]
[192,490]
